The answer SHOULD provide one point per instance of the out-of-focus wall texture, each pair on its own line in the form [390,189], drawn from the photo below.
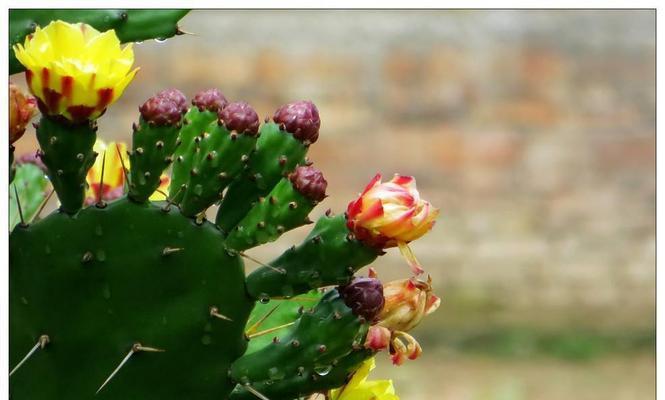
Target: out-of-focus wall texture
[533,131]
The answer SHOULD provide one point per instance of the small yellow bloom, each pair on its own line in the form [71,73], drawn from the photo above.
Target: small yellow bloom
[113,184]
[74,70]
[359,388]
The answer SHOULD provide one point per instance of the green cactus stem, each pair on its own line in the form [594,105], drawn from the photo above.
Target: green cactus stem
[309,350]
[281,147]
[286,207]
[329,255]
[206,105]
[153,142]
[219,155]
[307,383]
[66,150]
[99,282]
[131,25]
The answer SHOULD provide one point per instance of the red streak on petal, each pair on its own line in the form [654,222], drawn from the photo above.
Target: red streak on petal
[104,98]
[45,77]
[375,210]
[80,113]
[372,183]
[28,77]
[402,180]
[52,99]
[354,208]
[66,85]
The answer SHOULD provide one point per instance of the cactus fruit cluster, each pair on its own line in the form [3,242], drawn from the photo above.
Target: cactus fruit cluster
[125,297]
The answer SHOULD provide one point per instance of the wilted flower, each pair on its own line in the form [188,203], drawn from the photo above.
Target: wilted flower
[112,186]
[391,214]
[407,301]
[21,109]
[359,388]
[74,70]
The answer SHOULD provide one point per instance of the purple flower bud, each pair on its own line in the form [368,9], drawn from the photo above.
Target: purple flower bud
[161,110]
[240,117]
[176,97]
[210,99]
[310,182]
[300,118]
[364,296]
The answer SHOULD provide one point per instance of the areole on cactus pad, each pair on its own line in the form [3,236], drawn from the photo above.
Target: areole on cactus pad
[127,291]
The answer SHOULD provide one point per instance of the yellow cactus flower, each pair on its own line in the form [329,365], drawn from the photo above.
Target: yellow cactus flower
[74,70]
[113,183]
[359,388]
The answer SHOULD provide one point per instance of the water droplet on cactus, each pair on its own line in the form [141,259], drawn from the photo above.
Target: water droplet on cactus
[276,374]
[322,370]
[160,40]
[206,339]
[198,190]
[100,255]
[98,230]
[264,298]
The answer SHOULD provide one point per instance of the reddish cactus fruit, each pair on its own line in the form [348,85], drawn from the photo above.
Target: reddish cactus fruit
[176,96]
[300,118]
[21,109]
[164,108]
[310,182]
[210,99]
[364,296]
[240,117]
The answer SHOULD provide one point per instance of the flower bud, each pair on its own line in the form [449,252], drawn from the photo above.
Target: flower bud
[240,117]
[210,99]
[164,108]
[364,296]
[391,214]
[300,118]
[21,109]
[310,182]
[176,96]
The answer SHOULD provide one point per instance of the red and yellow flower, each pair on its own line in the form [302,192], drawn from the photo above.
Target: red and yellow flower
[388,214]
[21,110]
[106,179]
[74,70]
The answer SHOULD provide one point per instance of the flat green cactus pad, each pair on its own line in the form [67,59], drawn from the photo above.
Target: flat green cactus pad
[104,279]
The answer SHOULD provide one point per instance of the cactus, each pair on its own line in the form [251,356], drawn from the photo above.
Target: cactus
[131,25]
[121,296]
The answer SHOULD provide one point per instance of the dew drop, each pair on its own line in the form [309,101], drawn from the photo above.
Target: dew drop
[206,340]
[264,298]
[322,370]
[198,190]
[160,40]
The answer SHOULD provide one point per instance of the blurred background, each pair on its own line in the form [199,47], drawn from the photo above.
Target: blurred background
[532,131]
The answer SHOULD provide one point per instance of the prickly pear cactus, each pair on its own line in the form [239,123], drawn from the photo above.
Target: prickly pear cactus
[127,291]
